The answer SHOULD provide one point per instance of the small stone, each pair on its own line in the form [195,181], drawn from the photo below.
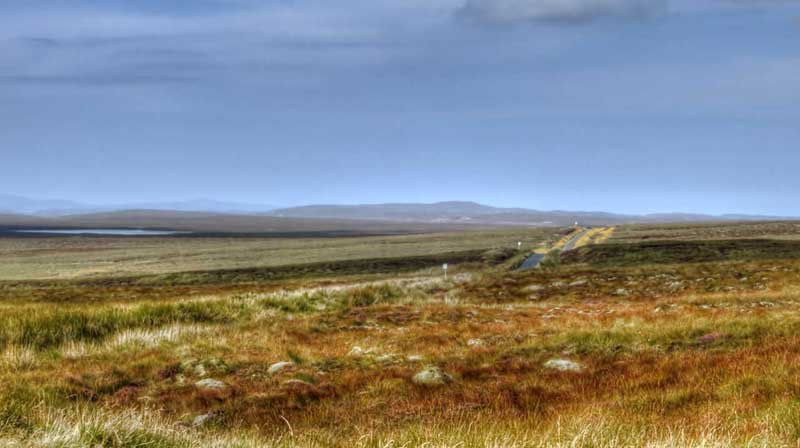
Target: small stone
[710,338]
[534,288]
[563,365]
[578,283]
[431,377]
[387,358]
[211,384]
[415,358]
[201,420]
[475,343]
[358,351]
[278,366]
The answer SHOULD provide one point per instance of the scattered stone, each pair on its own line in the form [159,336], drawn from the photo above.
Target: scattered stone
[534,288]
[202,420]
[211,384]
[278,366]
[710,338]
[675,285]
[580,282]
[563,365]
[387,358]
[415,358]
[431,377]
[358,351]
[475,343]
[622,292]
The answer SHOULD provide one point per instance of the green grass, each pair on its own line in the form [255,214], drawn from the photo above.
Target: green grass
[675,252]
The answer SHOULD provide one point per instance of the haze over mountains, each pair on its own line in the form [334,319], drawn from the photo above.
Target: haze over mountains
[211,215]
[44,207]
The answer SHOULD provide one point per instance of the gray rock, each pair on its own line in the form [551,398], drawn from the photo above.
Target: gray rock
[278,366]
[211,384]
[474,343]
[563,365]
[358,352]
[202,420]
[431,377]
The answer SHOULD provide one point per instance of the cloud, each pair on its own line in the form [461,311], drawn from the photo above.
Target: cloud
[557,11]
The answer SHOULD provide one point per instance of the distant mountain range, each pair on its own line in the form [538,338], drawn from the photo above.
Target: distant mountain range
[455,213]
[471,212]
[38,207]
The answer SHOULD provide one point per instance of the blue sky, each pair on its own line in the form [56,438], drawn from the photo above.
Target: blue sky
[617,105]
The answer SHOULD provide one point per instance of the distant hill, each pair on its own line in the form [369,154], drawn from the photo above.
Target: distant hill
[471,212]
[208,223]
[10,204]
[215,216]
[453,210]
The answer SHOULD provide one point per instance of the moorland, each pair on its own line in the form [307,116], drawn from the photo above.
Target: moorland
[642,335]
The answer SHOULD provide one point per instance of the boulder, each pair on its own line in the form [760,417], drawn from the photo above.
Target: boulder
[563,365]
[211,384]
[279,366]
[431,377]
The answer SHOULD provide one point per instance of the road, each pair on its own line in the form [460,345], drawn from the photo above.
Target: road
[534,260]
[531,262]
[574,240]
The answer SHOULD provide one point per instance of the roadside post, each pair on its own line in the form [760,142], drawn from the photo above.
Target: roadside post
[444,267]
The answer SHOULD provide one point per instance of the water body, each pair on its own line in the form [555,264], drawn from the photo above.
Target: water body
[115,232]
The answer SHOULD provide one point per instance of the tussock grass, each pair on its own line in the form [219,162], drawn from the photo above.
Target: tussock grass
[702,354]
[49,328]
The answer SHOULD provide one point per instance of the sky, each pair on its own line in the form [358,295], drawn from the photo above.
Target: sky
[631,106]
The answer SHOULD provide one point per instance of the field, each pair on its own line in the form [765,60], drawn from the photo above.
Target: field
[655,336]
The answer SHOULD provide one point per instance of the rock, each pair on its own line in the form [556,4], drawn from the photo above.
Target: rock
[201,420]
[431,377]
[278,366]
[475,343]
[211,384]
[622,292]
[358,351]
[387,358]
[563,365]
[415,358]
[710,338]
[294,382]
[578,283]
[534,288]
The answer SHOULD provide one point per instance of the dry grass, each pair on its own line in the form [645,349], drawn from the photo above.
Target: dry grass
[598,235]
[698,354]
[84,257]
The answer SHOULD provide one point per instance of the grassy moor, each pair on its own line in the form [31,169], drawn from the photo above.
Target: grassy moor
[689,341]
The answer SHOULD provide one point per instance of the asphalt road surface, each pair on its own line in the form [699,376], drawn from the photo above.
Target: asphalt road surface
[573,241]
[534,260]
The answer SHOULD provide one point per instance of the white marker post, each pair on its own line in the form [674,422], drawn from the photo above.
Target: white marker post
[519,245]
[444,266]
